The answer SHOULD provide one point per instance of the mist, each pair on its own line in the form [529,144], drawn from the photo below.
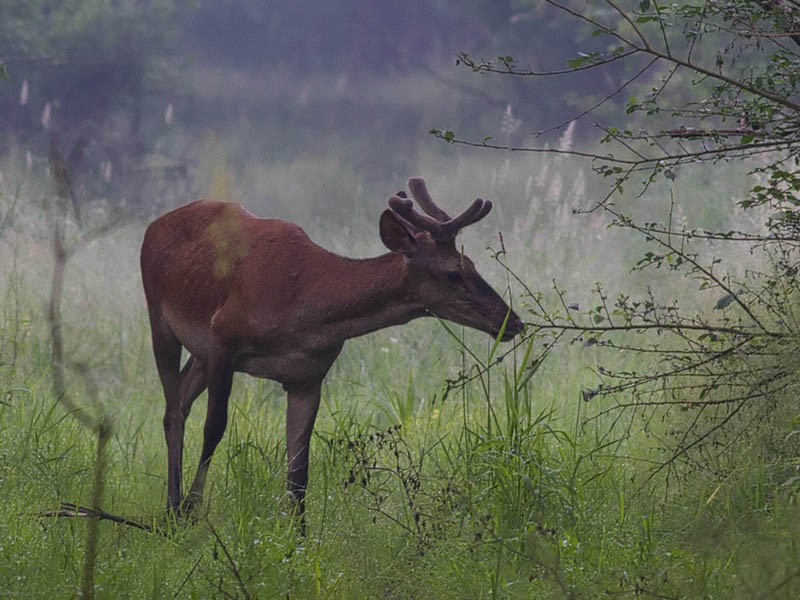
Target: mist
[317,111]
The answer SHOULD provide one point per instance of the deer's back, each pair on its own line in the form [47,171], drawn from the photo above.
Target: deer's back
[198,257]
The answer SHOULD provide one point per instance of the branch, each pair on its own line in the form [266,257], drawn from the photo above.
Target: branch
[647,162]
[511,69]
[648,49]
[85,238]
[660,327]
[232,566]
[691,132]
[624,15]
[777,6]
[723,237]
[601,102]
[68,509]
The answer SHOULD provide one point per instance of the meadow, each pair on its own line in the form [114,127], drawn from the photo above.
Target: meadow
[437,470]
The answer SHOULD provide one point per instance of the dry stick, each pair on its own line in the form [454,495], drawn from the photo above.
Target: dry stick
[99,424]
[102,427]
[90,556]
[68,509]
[188,577]
[57,362]
[232,566]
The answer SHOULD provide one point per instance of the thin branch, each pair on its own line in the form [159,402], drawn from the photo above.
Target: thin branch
[690,132]
[726,237]
[661,327]
[777,6]
[595,23]
[510,69]
[705,154]
[232,566]
[625,17]
[648,49]
[705,271]
[601,102]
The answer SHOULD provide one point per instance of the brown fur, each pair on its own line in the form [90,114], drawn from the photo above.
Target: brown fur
[257,295]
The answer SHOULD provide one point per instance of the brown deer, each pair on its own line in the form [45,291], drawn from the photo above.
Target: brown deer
[257,295]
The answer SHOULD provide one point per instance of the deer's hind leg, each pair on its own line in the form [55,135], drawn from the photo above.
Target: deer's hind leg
[181,388]
[167,352]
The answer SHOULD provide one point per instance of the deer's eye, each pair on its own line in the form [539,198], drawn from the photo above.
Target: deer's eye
[453,276]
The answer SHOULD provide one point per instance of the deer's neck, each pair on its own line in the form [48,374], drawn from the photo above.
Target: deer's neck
[368,294]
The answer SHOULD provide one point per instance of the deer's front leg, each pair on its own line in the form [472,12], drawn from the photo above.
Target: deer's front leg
[301,411]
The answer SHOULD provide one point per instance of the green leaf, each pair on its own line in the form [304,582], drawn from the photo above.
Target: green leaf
[725,301]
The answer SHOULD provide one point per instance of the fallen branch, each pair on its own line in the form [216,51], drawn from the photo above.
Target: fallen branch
[68,509]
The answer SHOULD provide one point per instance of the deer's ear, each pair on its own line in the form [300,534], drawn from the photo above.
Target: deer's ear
[395,236]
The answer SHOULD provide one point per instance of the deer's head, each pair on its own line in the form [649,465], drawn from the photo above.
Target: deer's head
[441,277]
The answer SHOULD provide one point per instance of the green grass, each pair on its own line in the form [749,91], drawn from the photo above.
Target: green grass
[518,506]
[497,490]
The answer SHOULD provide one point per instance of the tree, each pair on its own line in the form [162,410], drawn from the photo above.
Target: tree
[95,73]
[711,83]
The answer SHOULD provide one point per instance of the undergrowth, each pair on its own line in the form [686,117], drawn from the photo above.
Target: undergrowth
[437,471]
[440,503]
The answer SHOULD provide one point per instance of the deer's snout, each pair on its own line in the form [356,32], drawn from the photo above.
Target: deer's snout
[514,326]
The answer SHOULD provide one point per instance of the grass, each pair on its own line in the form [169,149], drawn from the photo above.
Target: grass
[495,490]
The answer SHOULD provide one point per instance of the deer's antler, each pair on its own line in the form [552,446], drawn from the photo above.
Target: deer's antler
[438,224]
[420,193]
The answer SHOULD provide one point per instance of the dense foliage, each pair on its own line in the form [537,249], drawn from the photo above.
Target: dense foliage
[709,84]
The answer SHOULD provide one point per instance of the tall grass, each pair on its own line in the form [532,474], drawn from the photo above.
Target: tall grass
[431,476]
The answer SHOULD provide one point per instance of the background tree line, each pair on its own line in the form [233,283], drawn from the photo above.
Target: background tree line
[137,87]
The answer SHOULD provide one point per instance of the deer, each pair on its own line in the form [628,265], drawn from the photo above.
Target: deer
[246,294]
